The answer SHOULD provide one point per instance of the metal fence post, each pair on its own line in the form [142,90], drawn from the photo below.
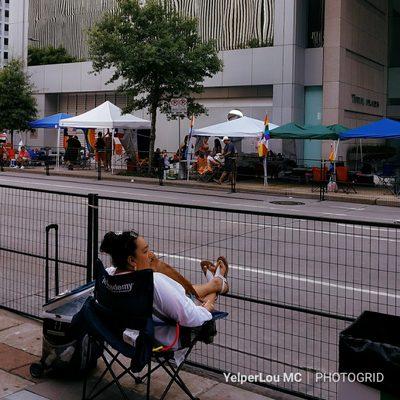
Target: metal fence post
[95,229]
[47,268]
[92,235]
[89,249]
[47,162]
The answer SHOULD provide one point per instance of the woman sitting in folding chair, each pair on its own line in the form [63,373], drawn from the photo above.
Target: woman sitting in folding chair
[130,252]
[144,314]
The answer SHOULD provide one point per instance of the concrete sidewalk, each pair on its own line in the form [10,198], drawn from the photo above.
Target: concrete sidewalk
[21,343]
[365,195]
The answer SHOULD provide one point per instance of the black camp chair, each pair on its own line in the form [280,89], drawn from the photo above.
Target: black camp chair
[126,301]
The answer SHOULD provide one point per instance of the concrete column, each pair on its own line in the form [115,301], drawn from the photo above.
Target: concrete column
[332,54]
[355,61]
[288,95]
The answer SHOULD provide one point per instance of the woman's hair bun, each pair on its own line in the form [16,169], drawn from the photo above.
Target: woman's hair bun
[109,242]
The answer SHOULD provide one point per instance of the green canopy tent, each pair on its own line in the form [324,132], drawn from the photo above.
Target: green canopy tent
[337,128]
[297,131]
[312,132]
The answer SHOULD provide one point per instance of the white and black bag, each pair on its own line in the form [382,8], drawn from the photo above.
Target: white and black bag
[65,349]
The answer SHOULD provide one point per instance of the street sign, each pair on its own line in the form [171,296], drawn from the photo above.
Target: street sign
[178,106]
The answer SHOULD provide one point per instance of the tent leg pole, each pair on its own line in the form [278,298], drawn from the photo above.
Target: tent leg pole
[112,152]
[265,171]
[58,148]
[188,167]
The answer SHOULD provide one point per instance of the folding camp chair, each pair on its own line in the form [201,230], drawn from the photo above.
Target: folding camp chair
[343,181]
[129,304]
[319,178]
[387,178]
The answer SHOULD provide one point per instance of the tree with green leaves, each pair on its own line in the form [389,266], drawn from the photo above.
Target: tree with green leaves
[49,55]
[157,53]
[17,103]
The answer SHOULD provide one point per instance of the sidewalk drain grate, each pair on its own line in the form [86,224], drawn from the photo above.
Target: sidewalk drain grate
[287,203]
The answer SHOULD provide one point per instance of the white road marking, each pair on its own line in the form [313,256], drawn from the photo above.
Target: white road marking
[292,277]
[290,228]
[350,208]
[337,215]
[370,228]
[97,189]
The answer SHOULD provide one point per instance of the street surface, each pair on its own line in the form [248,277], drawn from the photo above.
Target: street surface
[211,198]
[289,272]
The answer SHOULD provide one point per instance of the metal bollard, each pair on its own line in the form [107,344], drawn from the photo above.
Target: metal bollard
[47,267]
[234,176]
[98,167]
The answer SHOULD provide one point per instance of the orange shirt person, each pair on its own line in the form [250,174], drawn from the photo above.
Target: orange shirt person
[23,158]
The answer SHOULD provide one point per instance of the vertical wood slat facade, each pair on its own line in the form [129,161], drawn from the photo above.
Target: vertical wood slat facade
[231,23]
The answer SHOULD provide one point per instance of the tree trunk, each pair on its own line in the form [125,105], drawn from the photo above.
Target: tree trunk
[152,135]
[12,138]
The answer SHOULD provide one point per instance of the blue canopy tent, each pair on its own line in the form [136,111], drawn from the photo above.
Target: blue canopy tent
[51,122]
[383,129]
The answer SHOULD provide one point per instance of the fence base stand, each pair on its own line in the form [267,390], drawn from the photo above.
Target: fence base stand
[234,177]
[48,169]
[322,192]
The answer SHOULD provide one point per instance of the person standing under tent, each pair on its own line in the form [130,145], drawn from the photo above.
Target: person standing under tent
[159,165]
[166,164]
[108,148]
[217,147]
[76,147]
[100,149]
[229,155]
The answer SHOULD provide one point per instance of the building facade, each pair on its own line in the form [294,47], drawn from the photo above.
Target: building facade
[4,31]
[308,61]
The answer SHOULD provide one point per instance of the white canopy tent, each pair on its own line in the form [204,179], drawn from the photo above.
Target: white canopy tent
[106,116]
[244,127]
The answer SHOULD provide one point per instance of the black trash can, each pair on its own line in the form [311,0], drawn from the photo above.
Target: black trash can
[372,344]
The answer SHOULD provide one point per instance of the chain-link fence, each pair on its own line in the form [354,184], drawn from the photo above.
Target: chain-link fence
[295,282]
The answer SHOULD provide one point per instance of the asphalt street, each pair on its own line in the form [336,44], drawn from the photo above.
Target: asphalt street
[288,273]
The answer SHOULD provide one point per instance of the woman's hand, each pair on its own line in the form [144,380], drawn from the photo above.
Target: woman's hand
[208,305]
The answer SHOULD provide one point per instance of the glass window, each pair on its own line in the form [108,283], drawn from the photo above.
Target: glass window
[315,23]
[6,55]
[5,27]
[394,45]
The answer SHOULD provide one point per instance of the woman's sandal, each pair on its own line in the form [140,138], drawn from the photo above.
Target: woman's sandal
[225,286]
[205,267]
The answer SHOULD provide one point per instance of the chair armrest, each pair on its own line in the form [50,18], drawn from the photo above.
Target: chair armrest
[219,315]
